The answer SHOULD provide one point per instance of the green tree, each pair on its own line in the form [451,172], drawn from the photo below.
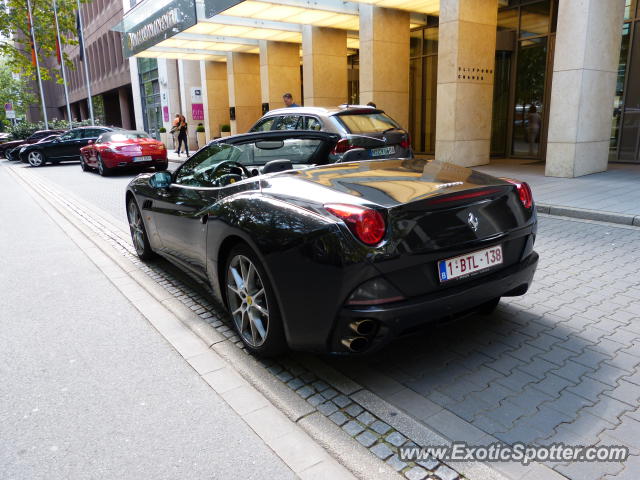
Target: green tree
[15,43]
[14,89]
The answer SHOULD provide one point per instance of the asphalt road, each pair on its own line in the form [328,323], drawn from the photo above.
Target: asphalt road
[88,389]
[559,364]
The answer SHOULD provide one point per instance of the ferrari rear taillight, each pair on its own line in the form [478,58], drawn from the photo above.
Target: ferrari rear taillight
[365,223]
[524,192]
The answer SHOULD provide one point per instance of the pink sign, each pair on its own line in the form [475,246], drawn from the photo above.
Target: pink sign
[197,111]
[165,114]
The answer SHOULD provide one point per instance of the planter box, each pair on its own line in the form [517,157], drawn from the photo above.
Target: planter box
[225,134]
[164,138]
[201,139]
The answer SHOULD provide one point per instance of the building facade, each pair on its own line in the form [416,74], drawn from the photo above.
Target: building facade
[108,71]
[540,80]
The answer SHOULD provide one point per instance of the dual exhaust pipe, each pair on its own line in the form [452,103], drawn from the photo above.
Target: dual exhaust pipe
[363,328]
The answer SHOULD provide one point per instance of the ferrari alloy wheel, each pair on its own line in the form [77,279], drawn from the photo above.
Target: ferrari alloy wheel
[36,159]
[138,232]
[252,305]
[102,168]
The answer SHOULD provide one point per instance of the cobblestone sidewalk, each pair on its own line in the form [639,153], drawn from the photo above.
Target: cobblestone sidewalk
[559,364]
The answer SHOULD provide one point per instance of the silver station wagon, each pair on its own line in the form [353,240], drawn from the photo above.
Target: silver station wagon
[360,126]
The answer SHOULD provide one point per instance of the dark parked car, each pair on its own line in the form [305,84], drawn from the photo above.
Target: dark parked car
[35,137]
[337,257]
[64,148]
[14,153]
[359,126]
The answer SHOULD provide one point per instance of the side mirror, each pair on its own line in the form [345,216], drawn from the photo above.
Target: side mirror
[160,180]
[90,142]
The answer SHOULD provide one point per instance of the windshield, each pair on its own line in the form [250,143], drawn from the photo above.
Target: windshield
[121,137]
[367,122]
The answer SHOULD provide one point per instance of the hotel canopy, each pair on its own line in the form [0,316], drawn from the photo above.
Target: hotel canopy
[209,29]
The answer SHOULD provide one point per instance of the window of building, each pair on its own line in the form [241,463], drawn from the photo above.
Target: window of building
[150,94]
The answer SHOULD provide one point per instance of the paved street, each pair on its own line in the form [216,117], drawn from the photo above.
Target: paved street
[558,364]
[89,389]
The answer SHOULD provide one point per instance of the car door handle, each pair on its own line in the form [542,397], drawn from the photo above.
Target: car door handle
[204,219]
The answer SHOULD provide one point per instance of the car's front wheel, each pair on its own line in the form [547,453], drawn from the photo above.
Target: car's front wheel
[83,165]
[138,231]
[36,158]
[252,303]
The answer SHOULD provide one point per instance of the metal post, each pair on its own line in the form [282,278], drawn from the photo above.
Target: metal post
[35,50]
[86,65]
[64,75]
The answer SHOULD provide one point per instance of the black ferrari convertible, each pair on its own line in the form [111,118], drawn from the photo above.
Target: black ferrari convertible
[338,257]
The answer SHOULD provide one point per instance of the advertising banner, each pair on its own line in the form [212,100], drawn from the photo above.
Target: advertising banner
[197,107]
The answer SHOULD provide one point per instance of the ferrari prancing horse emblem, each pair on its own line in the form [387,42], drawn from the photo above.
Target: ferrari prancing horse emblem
[473,221]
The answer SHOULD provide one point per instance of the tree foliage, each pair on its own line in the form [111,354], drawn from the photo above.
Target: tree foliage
[22,130]
[13,89]
[15,44]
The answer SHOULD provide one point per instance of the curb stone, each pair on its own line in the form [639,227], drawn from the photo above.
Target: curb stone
[585,214]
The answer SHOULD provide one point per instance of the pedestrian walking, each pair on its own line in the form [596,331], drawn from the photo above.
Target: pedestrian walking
[182,135]
[287,98]
[174,131]
[533,129]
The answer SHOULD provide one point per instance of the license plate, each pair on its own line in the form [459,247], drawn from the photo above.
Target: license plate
[468,263]
[146,158]
[378,152]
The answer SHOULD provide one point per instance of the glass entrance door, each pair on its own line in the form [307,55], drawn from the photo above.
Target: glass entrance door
[629,146]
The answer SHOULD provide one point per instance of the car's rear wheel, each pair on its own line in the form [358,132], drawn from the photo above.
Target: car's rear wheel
[102,168]
[161,168]
[138,231]
[36,158]
[252,303]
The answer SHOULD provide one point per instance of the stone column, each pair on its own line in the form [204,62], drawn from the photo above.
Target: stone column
[384,60]
[466,58]
[216,96]
[279,72]
[189,75]
[84,109]
[243,71]
[136,93]
[125,111]
[585,67]
[324,58]
[168,78]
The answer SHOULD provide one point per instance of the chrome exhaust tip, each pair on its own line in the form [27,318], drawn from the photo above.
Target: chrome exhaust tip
[355,344]
[363,327]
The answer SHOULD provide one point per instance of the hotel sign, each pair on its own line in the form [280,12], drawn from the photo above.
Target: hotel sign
[151,22]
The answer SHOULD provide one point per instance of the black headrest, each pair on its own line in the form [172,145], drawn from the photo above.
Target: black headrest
[279,165]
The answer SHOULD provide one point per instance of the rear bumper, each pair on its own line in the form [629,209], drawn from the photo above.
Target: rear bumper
[395,319]
[127,162]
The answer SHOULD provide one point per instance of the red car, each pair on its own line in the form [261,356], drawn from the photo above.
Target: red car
[123,149]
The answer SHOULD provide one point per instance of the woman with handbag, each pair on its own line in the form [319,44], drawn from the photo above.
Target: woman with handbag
[174,131]
[182,135]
